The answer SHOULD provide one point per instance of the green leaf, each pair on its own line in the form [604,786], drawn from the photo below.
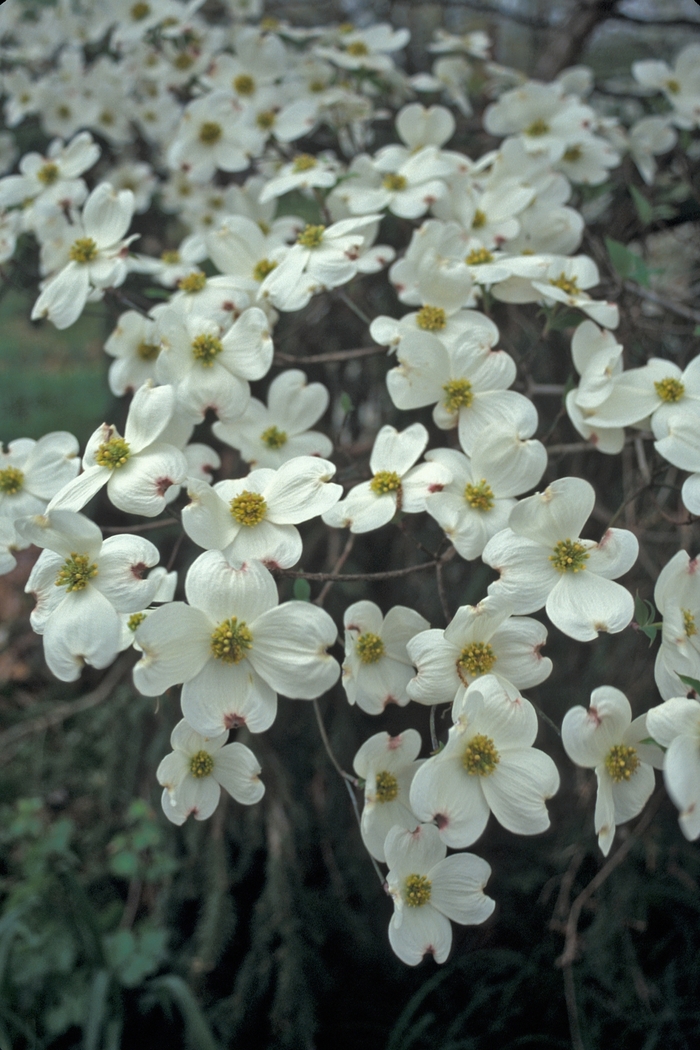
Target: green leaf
[302,590]
[561,319]
[96,1010]
[124,864]
[696,330]
[645,210]
[346,403]
[156,293]
[692,682]
[626,263]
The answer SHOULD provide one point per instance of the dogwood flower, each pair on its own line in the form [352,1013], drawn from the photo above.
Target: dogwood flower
[675,725]
[31,472]
[658,390]
[396,485]
[198,767]
[677,597]
[387,764]
[377,668]
[135,346]
[234,648]
[429,889]
[605,738]
[542,561]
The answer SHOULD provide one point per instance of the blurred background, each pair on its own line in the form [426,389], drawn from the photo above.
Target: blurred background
[266,927]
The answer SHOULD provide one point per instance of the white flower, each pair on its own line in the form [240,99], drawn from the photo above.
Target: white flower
[429,889]
[482,639]
[675,725]
[135,346]
[677,597]
[303,172]
[566,282]
[605,738]
[255,516]
[387,764]
[396,485]
[81,584]
[31,472]
[198,767]
[234,648]
[377,667]
[269,437]
[542,561]
[488,765]
[139,468]
[659,389]
[52,179]
[208,138]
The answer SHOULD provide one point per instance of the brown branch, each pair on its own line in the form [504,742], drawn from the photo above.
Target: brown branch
[336,569]
[351,577]
[337,355]
[658,23]
[668,304]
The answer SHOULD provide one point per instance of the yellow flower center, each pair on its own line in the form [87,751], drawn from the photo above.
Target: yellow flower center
[84,250]
[357,48]
[230,641]
[475,659]
[394,182]
[63,111]
[210,132]
[416,891]
[273,438]
[480,756]
[113,454]
[567,284]
[139,11]
[263,268]
[243,84]
[670,389]
[106,117]
[192,282]
[304,162]
[569,556]
[147,351]
[205,348]
[369,647]
[458,394]
[11,481]
[266,119]
[76,573]
[135,620]
[385,481]
[478,257]
[248,508]
[673,86]
[572,154]
[316,87]
[170,257]
[201,765]
[479,219]
[386,787]
[621,762]
[48,173]
[479,496]
[538,127]
[431,318]
[688,623]
[311,236]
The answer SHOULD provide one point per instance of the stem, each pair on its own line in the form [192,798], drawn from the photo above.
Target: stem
[329,750]
[435,743]
[355,308]
[336,568]
[349,577]
[337,355]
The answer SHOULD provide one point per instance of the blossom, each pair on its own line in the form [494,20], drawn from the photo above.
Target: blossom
[675,725]
[660,390]
[31,472]
[488,765]
[605,738]
[234,647]
[134,346]
[198,767]
[542,561]
[387,764]
[377,667]
[677,597]
[429,889]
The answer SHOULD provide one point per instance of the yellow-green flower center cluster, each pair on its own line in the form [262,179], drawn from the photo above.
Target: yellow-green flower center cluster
[458,394]
[689,623]
[266,119]
[357,48]
[262,269]
[417,889]
[48,173]
[248,508]
[201,765]
[476,659]
[479,257]
[479,219]
[230,640]
[192,282]
[479,496]
[393,182]
[538,127]
[170,257]
[206,348]
[385,481]
[243,84]
[431,318]
[621,762]
[567,284]
[311,236]
[480,756]
[210,132]
[135,620]
[11,480]
[386,787]
[84,250]
[673,86]
[572,154]
[76,572]
[670,389]
[569,556]
[369,647]
[140,10]
[304,162]
[147,351]
[273,438]
[113,454]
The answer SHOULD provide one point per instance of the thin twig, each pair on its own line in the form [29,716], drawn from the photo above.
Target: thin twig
[668,304]
[442,593]
[356,809]
[344,298]
[435,743]
[147,526]
[329,750]
[351,577]
[337,355]
[336,569]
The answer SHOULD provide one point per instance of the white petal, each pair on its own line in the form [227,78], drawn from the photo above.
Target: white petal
[289,650]
[237,770]
[518,789]
[558,513]
[83,629]
[582,604]
[421,931]
[176,643]
[222,590]
[457,889]
[223,696]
